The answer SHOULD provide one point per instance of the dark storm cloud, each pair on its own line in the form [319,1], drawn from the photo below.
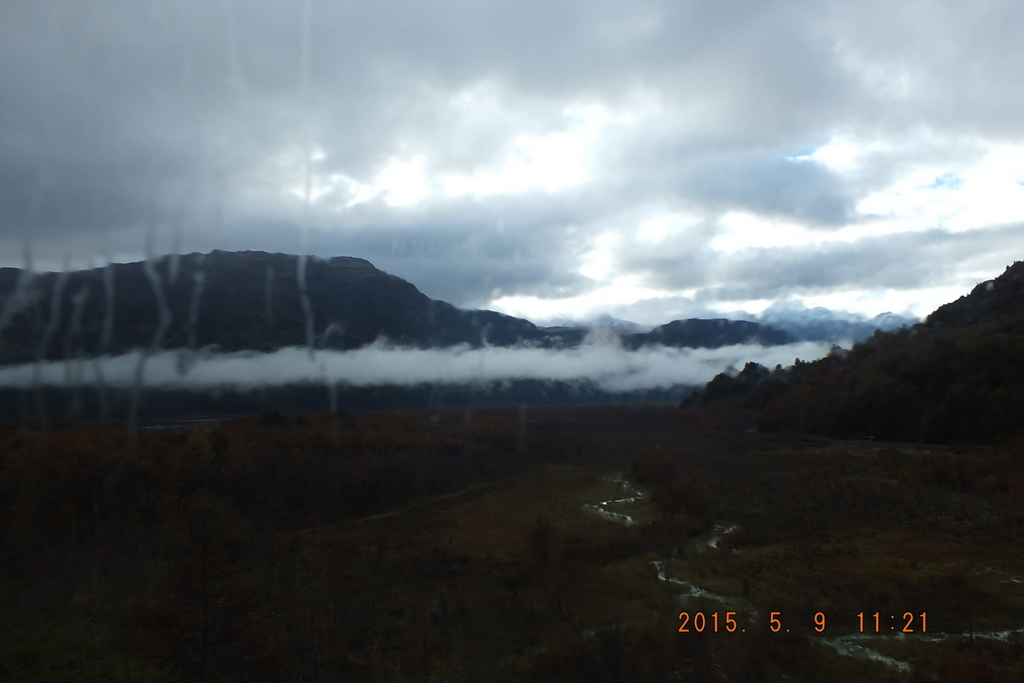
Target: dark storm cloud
[874,263]
[768,185]
[482,147]
[476,263]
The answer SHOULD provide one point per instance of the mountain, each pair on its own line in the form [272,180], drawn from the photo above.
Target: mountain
[624,326]
[822,324]
[697,332]
[234,301]
[958,376]
[1002,297]
[691,332]
[604,322]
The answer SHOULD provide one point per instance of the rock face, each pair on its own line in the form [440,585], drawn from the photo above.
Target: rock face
[235,301]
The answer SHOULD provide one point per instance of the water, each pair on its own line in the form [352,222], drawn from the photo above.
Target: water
[692,590]
[717,532]
[612,509]
[846,645]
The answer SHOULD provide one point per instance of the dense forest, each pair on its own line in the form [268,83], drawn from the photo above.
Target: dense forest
[958,376]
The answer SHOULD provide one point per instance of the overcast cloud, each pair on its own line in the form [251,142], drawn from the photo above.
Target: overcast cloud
[654,159]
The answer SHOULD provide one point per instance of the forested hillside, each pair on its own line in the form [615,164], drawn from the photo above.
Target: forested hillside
[959,376]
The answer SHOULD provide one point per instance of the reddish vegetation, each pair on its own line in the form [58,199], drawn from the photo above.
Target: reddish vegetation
[410,546]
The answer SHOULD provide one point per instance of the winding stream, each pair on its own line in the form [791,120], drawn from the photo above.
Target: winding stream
[850,645]
[847,645]
[692,590]
[613,508]
[717,532]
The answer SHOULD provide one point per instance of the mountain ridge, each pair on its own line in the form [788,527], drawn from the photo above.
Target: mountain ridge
[988,300]
[233,301]
[822,324]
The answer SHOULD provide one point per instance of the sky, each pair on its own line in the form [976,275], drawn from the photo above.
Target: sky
[650,159]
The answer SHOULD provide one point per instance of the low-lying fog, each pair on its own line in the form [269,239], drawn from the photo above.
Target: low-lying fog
[607,365]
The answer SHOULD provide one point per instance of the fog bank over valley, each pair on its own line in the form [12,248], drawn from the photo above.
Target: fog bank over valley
[606,364]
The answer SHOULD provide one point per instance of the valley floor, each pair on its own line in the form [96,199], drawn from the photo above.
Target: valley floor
[558,544]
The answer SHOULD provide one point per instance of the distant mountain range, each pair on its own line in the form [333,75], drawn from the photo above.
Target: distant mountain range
[798,321]
[255,301]
[821,324]
[234,301]
[605,322]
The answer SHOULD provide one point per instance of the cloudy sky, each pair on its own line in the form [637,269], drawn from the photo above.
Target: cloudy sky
[652,159]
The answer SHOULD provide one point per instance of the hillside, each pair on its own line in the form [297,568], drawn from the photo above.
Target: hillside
[959,376]
[234,301]
[988,302]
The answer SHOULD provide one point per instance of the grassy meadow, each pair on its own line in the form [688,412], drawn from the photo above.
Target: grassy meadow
[555,544]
